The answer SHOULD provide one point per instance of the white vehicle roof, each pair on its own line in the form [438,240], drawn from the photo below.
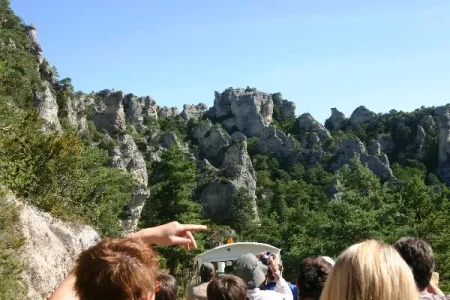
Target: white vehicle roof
[231,252]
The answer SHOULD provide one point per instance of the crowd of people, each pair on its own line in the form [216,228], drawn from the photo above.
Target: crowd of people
[127,269]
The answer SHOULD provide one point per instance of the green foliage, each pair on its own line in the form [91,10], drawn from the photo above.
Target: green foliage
[241,215]
[174,179]
[59,174]
[11,286]
[18,64]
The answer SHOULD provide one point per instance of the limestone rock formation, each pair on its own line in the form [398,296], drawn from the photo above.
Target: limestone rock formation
[47,106]
[76,112]
[35,46]
[168,139]
[137,109]
[336,120]
[50,248]
[212,141]
[110,117]
[193,111]
[361,115]
[234,169]
[443,117]
[427,122]
[386,143]
[287,108]
[307,123]
[277,142]
[168,111]
[109,114]
[419,142]
[248,110]
[347,149]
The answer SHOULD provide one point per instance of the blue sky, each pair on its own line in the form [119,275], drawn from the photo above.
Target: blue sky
[320,54]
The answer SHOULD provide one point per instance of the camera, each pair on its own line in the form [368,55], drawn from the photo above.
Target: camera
[265,258]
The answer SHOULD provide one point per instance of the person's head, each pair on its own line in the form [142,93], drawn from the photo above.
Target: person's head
[227,287]
[229,269]
[207,272]
[312,276]
[419,256]
[370,270]
[116,269]
[250,269]
[168,287]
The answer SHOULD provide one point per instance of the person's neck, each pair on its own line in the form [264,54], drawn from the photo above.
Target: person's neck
[424,291]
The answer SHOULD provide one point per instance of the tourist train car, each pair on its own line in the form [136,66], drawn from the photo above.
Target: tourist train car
[224,256]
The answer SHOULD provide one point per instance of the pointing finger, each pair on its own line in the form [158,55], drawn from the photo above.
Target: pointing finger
[193,227]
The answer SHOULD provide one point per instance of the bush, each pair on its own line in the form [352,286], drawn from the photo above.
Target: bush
[11,239]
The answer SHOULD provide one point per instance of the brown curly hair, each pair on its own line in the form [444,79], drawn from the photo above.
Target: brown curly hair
[116,269]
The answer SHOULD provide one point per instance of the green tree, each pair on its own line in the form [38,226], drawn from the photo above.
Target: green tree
[241,215]
[174,179]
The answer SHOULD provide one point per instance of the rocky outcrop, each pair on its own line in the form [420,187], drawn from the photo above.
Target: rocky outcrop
[443,117]
[336,121]
[168,111]
[35,45]
[50,248]
[46,104]
[137,109]
[76,112]
[212,140]
[307,123]
[347,149]
[427,122]
[247,110]
[419,142]
[361,115]
[287,108]
[193,111]
[277,142]
[168,139]
[110,116]
[234,169]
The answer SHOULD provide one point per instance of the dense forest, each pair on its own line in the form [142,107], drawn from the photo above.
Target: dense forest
[289,181]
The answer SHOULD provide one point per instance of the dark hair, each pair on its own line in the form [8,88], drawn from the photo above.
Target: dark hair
[419,256]
[207,272]
[168,289]
[116,269]
[311,277]
[227,287]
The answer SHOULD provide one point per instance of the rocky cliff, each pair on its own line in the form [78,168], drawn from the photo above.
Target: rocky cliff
[50,248]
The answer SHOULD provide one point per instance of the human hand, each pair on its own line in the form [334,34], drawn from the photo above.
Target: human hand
[274,266]
[170,234]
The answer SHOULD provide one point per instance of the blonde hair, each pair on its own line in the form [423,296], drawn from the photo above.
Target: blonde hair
[368,271]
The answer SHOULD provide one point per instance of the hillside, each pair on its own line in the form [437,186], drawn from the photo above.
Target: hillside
[247,166]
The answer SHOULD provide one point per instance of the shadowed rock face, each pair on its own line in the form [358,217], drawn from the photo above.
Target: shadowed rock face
[110,115]
[307,123]
[347,149]
[443,117]
[233,166]
[247,110]
[362,115]
[336,120]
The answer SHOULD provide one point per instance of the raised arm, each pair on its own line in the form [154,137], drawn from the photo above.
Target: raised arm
[168,234]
